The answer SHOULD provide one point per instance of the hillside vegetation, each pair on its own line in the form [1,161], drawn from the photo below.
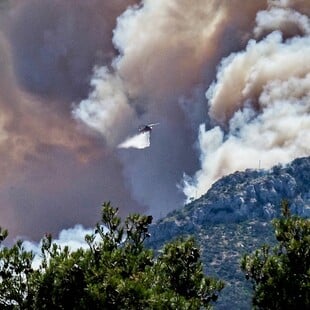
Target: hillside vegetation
[234,218]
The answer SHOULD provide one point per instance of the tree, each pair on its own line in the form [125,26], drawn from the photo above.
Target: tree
[182,275]
[281,275]
[16,276]
[116,272]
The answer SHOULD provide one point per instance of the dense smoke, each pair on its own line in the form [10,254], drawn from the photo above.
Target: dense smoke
[53,174]
[166,52]
[265,106]
[228,80]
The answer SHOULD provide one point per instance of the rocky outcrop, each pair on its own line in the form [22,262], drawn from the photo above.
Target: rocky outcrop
[255,193]
[251,194]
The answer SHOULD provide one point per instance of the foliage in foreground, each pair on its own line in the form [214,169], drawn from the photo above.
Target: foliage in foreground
[116,272]
[281,275]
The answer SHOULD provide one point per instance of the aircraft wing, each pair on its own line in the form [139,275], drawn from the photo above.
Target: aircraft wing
[151,125]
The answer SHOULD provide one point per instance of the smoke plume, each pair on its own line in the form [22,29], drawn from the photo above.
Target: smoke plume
[159,75]
[228,80]
[262,96]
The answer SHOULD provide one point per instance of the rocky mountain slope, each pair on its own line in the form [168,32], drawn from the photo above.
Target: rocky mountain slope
[234,217]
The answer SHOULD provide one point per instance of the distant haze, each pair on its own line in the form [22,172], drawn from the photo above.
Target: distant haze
[228,80]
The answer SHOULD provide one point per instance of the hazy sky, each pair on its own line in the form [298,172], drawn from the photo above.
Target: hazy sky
[228,81]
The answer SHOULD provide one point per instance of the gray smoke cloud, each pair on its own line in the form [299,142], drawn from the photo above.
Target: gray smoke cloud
[79,77]
[54,173]
[55,44]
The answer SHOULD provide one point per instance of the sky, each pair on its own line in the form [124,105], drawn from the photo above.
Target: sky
[228,81]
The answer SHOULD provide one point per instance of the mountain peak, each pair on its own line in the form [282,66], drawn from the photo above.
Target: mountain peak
[254,193]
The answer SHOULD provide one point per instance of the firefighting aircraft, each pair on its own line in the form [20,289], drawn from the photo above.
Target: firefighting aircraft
[147,128]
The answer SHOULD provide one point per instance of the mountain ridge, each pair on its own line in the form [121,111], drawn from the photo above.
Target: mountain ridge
[253,193]
[234,217]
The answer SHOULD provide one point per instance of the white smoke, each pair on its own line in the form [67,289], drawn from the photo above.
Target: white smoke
[73,238]
[162,47]
[284,19]
[152,66]
[139,141]
[106,110]
[262,97]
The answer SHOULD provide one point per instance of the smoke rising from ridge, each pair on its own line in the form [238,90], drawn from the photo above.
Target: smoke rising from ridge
[236,99]
[78,77]
[266,105]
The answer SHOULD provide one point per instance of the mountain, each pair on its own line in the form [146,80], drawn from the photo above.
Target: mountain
[233,218]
